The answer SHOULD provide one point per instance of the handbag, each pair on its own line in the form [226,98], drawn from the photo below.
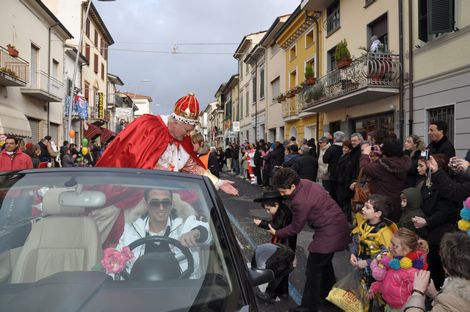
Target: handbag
[361,190]
[350,293]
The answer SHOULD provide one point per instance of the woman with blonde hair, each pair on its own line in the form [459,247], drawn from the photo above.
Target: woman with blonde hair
[413,147]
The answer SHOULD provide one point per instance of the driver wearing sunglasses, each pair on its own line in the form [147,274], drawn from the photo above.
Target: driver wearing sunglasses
[159,221]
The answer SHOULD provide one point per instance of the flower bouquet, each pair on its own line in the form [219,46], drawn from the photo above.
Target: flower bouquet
[114,261]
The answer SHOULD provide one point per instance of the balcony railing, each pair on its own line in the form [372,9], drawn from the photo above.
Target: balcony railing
[14,71]
[45,87]
[291,107]
[373,70]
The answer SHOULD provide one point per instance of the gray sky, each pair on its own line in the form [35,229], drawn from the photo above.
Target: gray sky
[141,28]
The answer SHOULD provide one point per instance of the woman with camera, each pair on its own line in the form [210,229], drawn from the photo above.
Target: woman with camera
[413,147]
[440,215]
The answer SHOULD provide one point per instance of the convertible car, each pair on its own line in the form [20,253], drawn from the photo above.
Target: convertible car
[61,235]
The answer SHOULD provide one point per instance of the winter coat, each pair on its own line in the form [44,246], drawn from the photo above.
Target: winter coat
[312,204]
[175,228]
[277,156]
[444,146]
[412,175]
[213,164]
[454,297]
[345,177]
[68,161]
[306,166]
[450,188]
[355,155]
[322,166]
[331,157]
[291,160]
[441,214]
[412,209]
[387,177]
[281,219]
[16,161]
[396,287]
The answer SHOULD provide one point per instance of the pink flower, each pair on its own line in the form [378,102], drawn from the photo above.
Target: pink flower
[114,261]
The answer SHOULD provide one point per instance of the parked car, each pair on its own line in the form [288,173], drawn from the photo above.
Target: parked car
[54,224]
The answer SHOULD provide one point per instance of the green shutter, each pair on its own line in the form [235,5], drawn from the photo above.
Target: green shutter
[440,16]
[422,20]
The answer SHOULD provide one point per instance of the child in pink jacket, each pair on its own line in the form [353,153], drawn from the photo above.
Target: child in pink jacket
[394,272]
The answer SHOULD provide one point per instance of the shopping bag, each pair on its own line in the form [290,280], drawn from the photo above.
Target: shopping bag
[361,190]
[350,293]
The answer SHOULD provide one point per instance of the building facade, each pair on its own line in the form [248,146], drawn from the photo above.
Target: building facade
[32,80]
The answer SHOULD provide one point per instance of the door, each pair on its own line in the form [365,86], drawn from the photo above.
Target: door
[34,67]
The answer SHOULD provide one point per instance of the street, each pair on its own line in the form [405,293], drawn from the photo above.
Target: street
[241,211]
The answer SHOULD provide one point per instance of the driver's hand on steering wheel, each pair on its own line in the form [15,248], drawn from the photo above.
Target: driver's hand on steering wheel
[190,238]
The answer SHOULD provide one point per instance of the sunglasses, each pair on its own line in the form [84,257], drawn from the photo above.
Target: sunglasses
[156,203]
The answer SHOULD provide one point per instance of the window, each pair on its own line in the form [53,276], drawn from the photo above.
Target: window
[293,79]
[261,83]
[333,18]
[247,103]
[253,85]
[241,104]
[55,69]
[275,88]
[102,46]
[87,52]
[96,40]
[69,86]
[105,48]
[309,39]
[435,17]
[331,63]
[379,28]
[292,53]
[95,63]
[87,28]
[102,71]
[446,114]
[310,62]
[86,92]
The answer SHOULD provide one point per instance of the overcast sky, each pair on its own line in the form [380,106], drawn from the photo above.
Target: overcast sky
[146,32]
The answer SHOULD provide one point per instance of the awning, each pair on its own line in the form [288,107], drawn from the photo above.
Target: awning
[106,135]
[92,132]
[13,122]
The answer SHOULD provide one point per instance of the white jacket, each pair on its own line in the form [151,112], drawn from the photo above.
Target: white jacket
[178,226]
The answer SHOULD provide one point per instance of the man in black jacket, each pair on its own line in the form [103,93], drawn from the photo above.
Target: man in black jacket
[440,144]
[331,157]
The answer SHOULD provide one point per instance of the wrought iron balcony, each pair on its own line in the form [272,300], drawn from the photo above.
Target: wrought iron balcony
[291,108]
[44,87]
[14,71]
[370,77]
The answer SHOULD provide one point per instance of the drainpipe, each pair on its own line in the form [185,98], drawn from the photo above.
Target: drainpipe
[401,111]
[411,66]
[49,78]
[317,70]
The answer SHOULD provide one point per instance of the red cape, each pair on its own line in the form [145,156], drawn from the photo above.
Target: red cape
[141,144]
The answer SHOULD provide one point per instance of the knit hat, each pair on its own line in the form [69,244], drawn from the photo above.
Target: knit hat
[187,109]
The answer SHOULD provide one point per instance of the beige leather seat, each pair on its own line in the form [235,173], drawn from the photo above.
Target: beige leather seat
[64,240]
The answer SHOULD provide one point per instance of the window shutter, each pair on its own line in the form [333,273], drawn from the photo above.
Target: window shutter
[440,16]
[422,20]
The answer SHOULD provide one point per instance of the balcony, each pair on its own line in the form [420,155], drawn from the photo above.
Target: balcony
[13,70]
[291,109]
[44,88]
[371,77]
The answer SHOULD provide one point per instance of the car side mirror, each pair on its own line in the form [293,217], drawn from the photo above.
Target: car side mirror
[258,277]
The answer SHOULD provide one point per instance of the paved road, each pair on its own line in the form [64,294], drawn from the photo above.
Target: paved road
[242,210]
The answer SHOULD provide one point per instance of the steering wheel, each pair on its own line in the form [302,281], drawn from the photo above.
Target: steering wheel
[153,239]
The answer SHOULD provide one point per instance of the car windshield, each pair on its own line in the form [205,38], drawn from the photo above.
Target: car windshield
[66,225]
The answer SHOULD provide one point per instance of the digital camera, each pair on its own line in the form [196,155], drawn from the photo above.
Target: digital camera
[425,154]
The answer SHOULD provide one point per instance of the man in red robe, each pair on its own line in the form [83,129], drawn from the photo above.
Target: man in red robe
[162,142]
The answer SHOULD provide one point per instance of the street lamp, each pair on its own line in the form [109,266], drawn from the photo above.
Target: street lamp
[75,68]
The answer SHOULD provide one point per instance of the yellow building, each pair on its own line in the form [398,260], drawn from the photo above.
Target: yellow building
[299,38]
[363,96]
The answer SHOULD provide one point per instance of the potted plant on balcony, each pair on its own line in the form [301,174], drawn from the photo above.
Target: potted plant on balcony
[281,97]
[290,93]
[8,71]
[12,50]
[342,55]
[309,75]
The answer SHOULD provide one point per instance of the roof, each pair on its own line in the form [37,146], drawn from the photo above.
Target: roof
[101,25]
[56,21]
[137,96]
[115,79]
[230,82]
[220,89]
[245,40]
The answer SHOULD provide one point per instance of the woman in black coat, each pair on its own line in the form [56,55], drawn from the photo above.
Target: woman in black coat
[440,217]
[413,147]
[345,178]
